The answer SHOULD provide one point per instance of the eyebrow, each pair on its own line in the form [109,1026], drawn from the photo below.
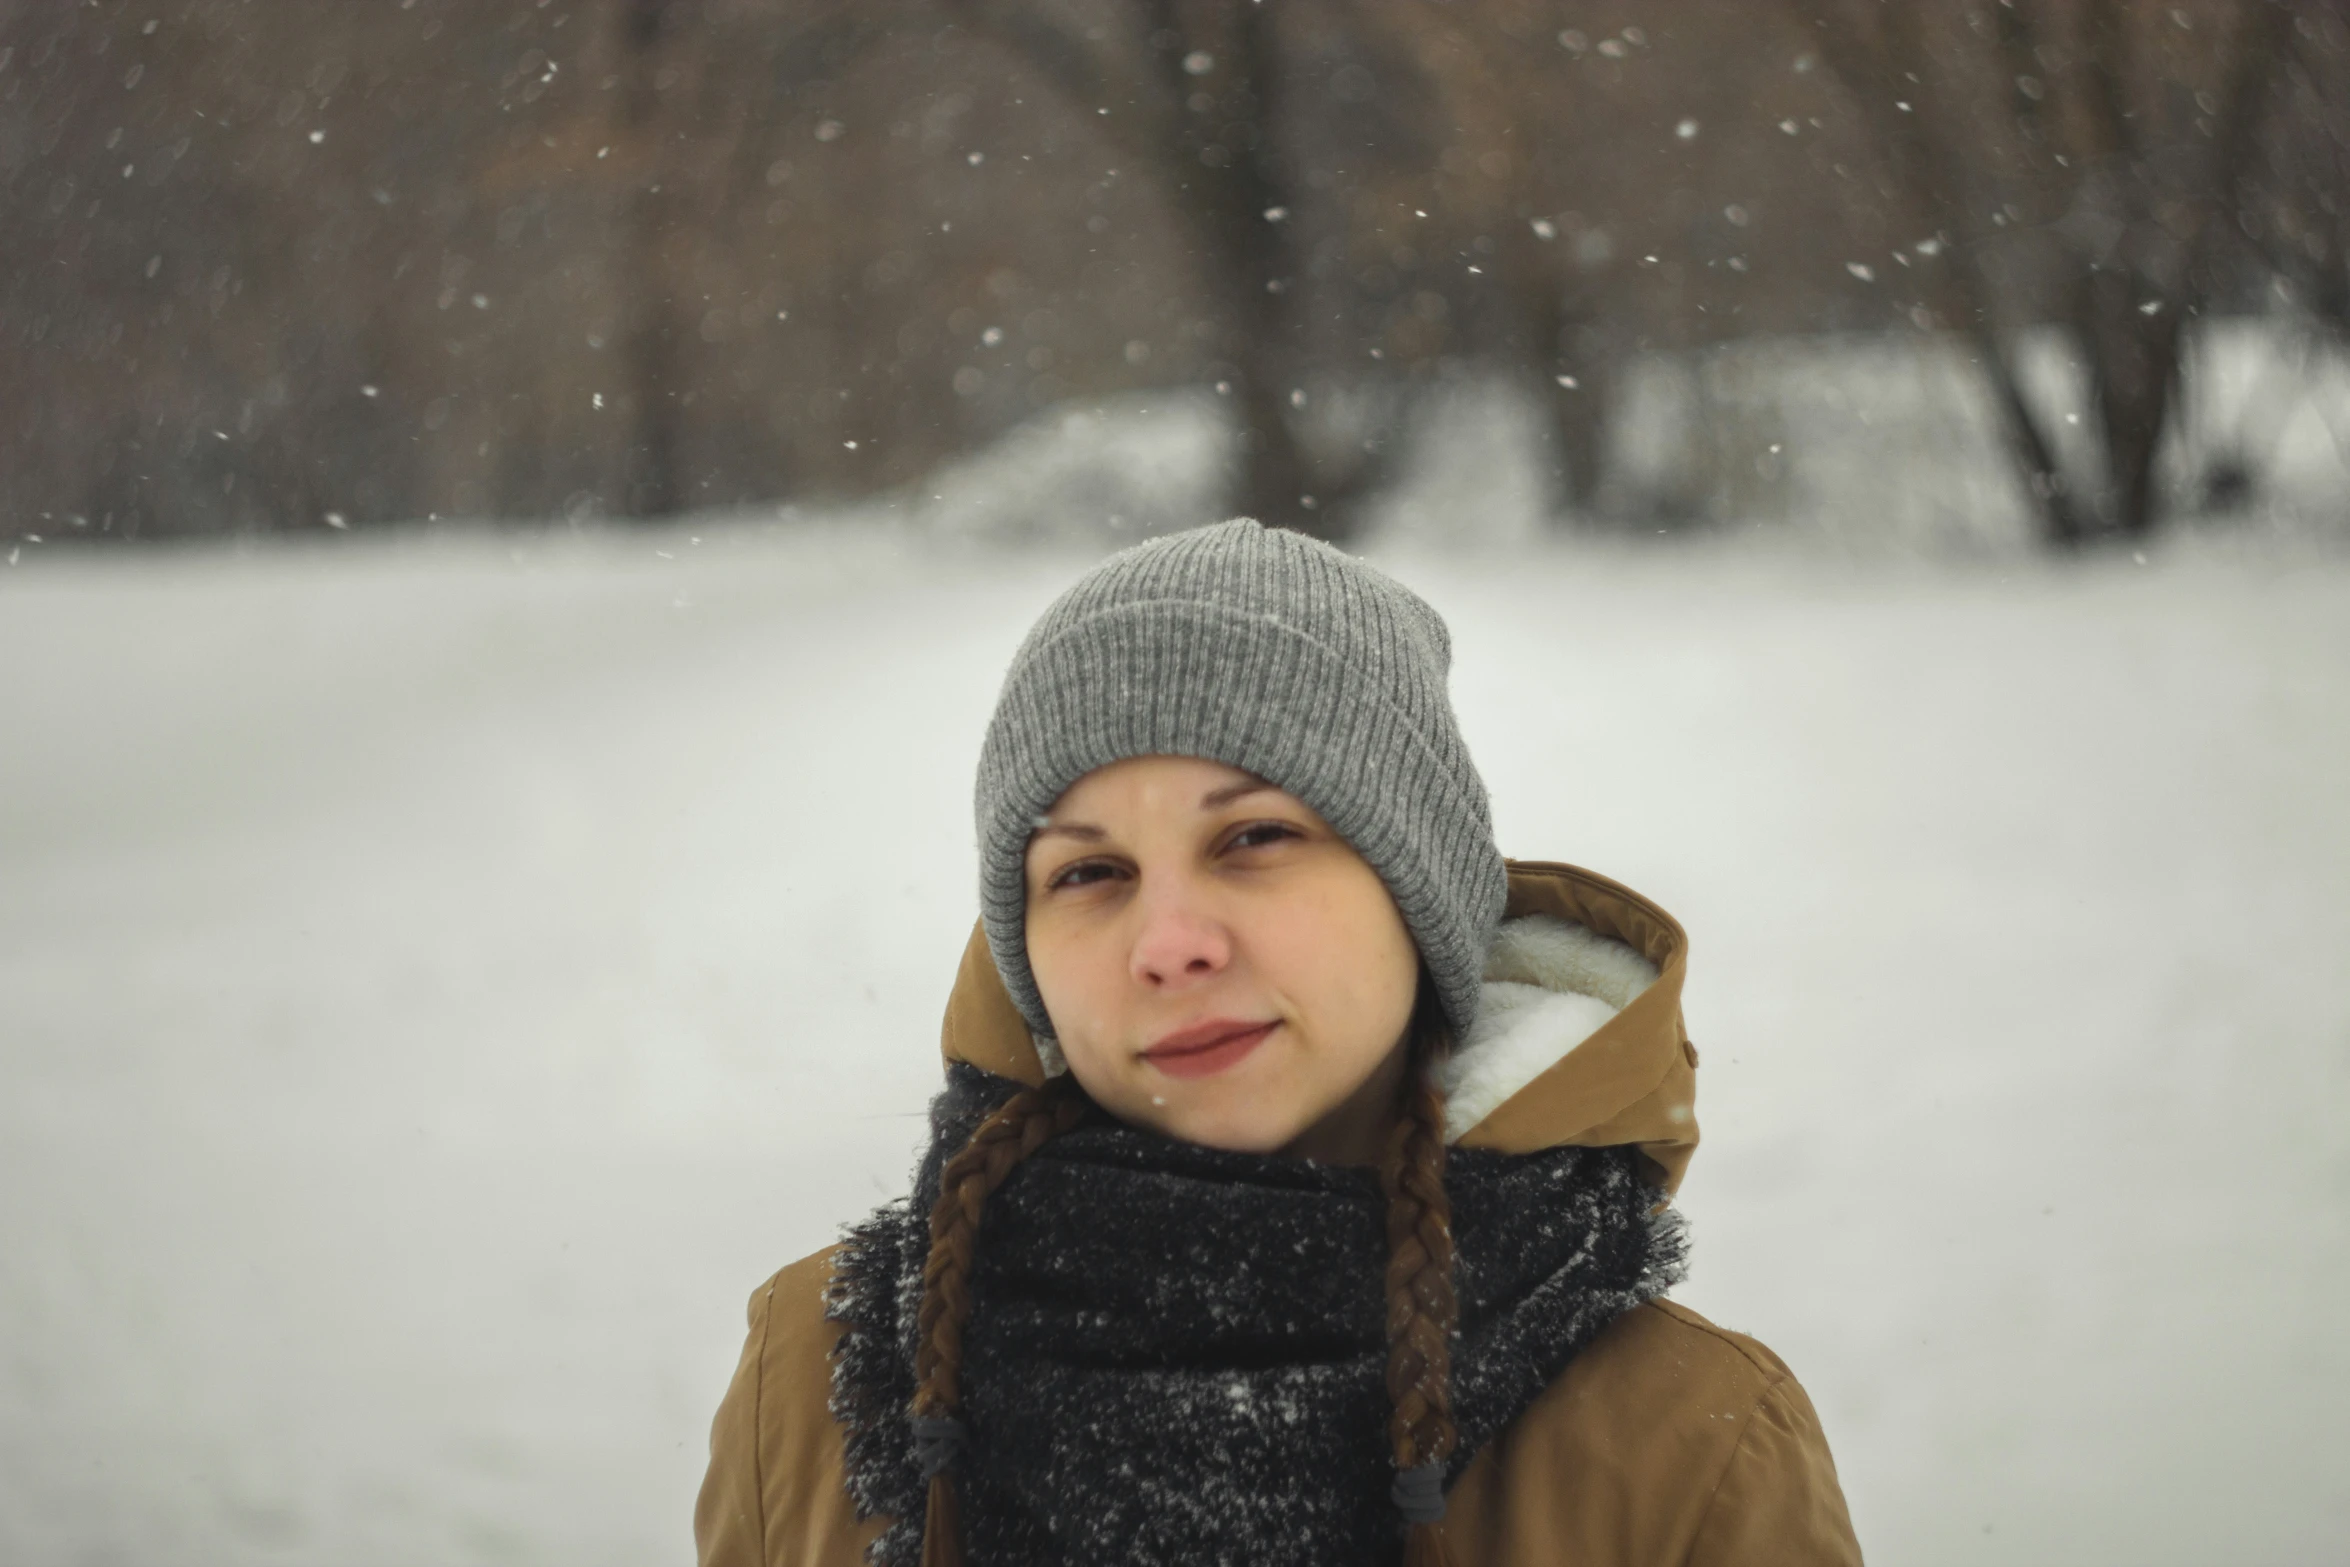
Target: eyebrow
[1232,792]
[1088,833]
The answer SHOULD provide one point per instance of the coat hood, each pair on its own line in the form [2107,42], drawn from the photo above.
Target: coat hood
[1579,1038]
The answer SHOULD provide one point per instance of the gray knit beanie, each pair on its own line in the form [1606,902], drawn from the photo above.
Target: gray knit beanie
[1276,654]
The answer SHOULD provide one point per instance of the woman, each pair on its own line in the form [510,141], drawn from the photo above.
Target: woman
[1298,1192]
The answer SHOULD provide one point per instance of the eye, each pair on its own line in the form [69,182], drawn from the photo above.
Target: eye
[1257,835]
[1083,873]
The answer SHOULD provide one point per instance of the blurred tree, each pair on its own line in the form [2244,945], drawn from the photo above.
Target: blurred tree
[268,265]
[2085,150]
[265,264]
[2300,221]
[1626,180]
[702,85]
[655,487]
[1195,93]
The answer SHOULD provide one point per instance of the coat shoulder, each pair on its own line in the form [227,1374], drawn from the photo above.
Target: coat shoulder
[1734,1356]
[794,1298]
[776,1488]
[1669,1439]
[1672,1361]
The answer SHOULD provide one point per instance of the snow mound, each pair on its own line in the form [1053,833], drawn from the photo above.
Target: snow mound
[1109,472]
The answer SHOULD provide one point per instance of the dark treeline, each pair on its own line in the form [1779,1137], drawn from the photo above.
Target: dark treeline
[275,265]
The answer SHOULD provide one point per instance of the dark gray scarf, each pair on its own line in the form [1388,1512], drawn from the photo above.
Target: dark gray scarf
[1177,1355]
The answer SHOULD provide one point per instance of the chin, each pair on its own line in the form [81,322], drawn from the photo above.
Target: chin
[1234,1132]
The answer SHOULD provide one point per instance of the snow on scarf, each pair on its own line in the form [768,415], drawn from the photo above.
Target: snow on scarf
[1176,1354]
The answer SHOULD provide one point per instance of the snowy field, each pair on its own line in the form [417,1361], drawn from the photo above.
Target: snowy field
[440,978]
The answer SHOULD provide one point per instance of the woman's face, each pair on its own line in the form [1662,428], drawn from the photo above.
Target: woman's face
[1218,964]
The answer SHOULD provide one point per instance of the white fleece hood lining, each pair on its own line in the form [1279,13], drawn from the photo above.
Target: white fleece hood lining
[1549,985]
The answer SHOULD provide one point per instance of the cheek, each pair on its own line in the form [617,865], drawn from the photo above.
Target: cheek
[1077,979]
[1354,964]
[1384,985]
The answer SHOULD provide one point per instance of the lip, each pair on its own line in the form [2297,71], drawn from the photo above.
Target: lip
[1204,1049]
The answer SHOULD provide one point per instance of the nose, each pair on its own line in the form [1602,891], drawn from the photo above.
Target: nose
[1179,944]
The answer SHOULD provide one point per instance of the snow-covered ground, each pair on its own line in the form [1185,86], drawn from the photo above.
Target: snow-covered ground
[439,978]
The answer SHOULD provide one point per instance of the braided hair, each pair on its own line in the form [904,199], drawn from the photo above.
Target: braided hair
[1020,1126]
[1422,1310]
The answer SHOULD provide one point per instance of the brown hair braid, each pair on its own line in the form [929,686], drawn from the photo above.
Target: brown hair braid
[1422,1309]
[1020,1126]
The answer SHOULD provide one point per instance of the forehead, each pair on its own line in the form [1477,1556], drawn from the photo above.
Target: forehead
[1157,784]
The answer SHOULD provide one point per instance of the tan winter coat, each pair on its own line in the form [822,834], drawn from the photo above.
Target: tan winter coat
[1668,1440]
